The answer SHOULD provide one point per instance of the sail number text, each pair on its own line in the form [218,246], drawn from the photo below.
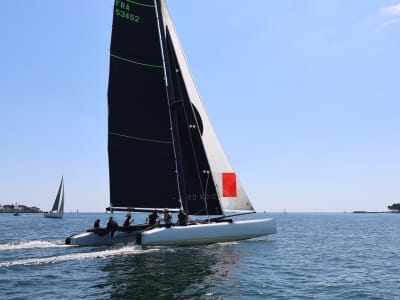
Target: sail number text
[123,10]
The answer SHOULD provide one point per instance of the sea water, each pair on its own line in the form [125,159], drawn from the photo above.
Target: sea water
[313,256]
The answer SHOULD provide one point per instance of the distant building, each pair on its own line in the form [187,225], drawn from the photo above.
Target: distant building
[10,208]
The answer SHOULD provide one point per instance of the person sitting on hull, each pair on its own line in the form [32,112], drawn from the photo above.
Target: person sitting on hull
[97,229]
[127,222]
[182,218]
[167,218]
[96,224]
[112,226]
[153,218]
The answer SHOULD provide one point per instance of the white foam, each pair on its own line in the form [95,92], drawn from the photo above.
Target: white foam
[76,256]
[229,243]
[32,245]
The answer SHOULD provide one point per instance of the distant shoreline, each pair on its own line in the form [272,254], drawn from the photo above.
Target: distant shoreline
[375,212]
[21,212]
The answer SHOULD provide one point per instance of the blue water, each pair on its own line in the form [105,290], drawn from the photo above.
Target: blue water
[313,256]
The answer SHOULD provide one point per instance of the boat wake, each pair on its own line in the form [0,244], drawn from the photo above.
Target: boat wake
[32,245]
[127,250]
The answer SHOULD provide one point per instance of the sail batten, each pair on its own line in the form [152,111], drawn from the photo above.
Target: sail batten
[140,3]
[136,62]
[140,138]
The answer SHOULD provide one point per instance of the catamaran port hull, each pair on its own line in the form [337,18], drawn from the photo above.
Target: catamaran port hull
[91,238]
[208,233]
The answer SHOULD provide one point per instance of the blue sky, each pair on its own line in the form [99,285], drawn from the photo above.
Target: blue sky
[304,96]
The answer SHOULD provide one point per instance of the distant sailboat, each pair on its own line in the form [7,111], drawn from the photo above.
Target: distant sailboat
[16,213]
[162,149]
[57,210]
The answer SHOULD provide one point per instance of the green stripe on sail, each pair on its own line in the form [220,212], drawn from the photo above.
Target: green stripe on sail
[135,62]
[141,4]
[138,138]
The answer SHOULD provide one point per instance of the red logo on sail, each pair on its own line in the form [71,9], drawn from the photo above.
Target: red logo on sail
[229,185]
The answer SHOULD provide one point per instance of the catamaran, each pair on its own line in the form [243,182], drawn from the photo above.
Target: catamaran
[162,149]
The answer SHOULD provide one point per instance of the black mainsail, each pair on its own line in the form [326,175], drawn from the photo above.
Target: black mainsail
[156,155]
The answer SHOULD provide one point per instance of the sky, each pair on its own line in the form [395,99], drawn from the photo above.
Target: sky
[304,97]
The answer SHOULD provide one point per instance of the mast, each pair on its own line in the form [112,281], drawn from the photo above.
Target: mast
[172,102]
[62,200]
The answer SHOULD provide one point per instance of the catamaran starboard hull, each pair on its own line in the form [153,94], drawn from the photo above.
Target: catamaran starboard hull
[208,233]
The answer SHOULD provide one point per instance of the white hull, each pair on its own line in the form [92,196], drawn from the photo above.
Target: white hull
[208,233]
[50,214]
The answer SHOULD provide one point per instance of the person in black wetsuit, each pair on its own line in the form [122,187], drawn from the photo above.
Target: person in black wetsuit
[153,218]
[167,218]
[182,218]
[112,226]
[128,221]
[96,224]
